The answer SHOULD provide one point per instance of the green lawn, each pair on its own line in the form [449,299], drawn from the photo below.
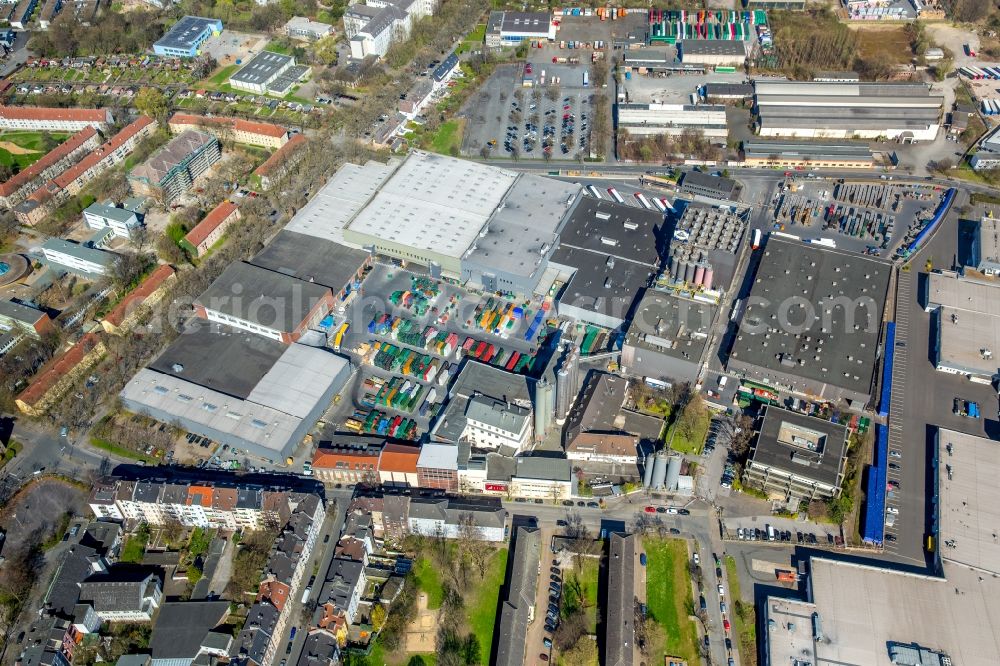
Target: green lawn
[134,549]
[668,596]
[429,582]
[39,142]
[448,136]
[105,445]
[581,591]
[697,440]
[483,611]
[744,616]
[223,75]
[278,47]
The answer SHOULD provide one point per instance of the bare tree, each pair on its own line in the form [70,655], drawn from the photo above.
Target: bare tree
[472,542]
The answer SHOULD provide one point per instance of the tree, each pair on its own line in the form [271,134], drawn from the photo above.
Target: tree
[325,50]
[692,414]
[378,617]
[473,545]
[582,652]
[169,251]
[127,270]
[173,530]
[153,103]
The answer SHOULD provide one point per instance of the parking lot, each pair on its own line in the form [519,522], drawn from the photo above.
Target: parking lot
[783,531]
[544,121]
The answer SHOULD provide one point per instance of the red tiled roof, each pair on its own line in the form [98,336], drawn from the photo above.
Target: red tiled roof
[399,458]
[264,129]
[61,365]
[152,282]
[210,223]
[280,154]
[46,113]
[330,458]
[200,495]
[62,150]
[102,151]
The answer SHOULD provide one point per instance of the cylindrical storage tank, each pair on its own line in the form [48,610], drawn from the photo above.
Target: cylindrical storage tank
[573,368]
[550,404]
[709,277]
[699,274]
[659,470]
[688,272]
[563,396]
[647,472]
[673,472]
[543,415]
[674,265]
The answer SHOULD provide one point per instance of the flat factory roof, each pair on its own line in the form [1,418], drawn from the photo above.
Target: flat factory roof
[526,226]
[667,324]
[184,33]
[963,294]
[337,202]
[220,358]
[846,293]
[434,203]
[262,296]
[712,47]
[864,610]
[802,445]
[967,341]
[813,150]
[311,259]
[262,68]
[968,501]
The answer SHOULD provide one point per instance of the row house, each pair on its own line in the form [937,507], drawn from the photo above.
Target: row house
[17,188]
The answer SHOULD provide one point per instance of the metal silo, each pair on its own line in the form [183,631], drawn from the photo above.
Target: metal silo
[674,265]
[699,274]
[550,403]
[573,368]
[709,276]
[564,396]
[673,472]
[647,472]
[543,415]
[659,470]
[688,272]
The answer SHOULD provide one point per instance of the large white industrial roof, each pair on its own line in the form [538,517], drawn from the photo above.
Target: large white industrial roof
[297,381]
[326,214]
[434,203]
[968,500]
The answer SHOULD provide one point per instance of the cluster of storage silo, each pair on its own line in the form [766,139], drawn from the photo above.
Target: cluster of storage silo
[567,382]
[690,266]
[662,471]
[545,407]
[712,228]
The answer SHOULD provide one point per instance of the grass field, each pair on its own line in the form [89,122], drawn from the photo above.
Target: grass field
[448,136]
[581,591]
[482,606]
[105,445]
[668,596]
[429,582]
[744,616]
[888,43]
[37,142]
[223,75]
[693,444]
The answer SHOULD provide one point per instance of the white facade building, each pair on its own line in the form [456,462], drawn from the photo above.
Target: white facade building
[106,215]
[77,258]
[492,424]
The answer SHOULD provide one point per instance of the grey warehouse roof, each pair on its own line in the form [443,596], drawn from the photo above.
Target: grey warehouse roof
[761,148]
[182,626]
[712,47]
[519,597]
[262,68]
[792,273]
[311,259]
[667,324]
[262,296]
[801,445]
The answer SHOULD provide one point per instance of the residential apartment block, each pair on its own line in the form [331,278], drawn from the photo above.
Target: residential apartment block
[211,229]
[44,119]
[52,382]
[130,309]
[236,130]
[172,169]
[19,186]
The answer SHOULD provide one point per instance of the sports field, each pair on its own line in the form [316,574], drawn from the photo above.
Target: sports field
[20,149]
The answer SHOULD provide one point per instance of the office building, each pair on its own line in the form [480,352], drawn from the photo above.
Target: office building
[813,322]
[105,215]
[709,186]
[512,28]
[371,28]
[797,456]
[71,257]
[184,38]
[172,169]
[300,27]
